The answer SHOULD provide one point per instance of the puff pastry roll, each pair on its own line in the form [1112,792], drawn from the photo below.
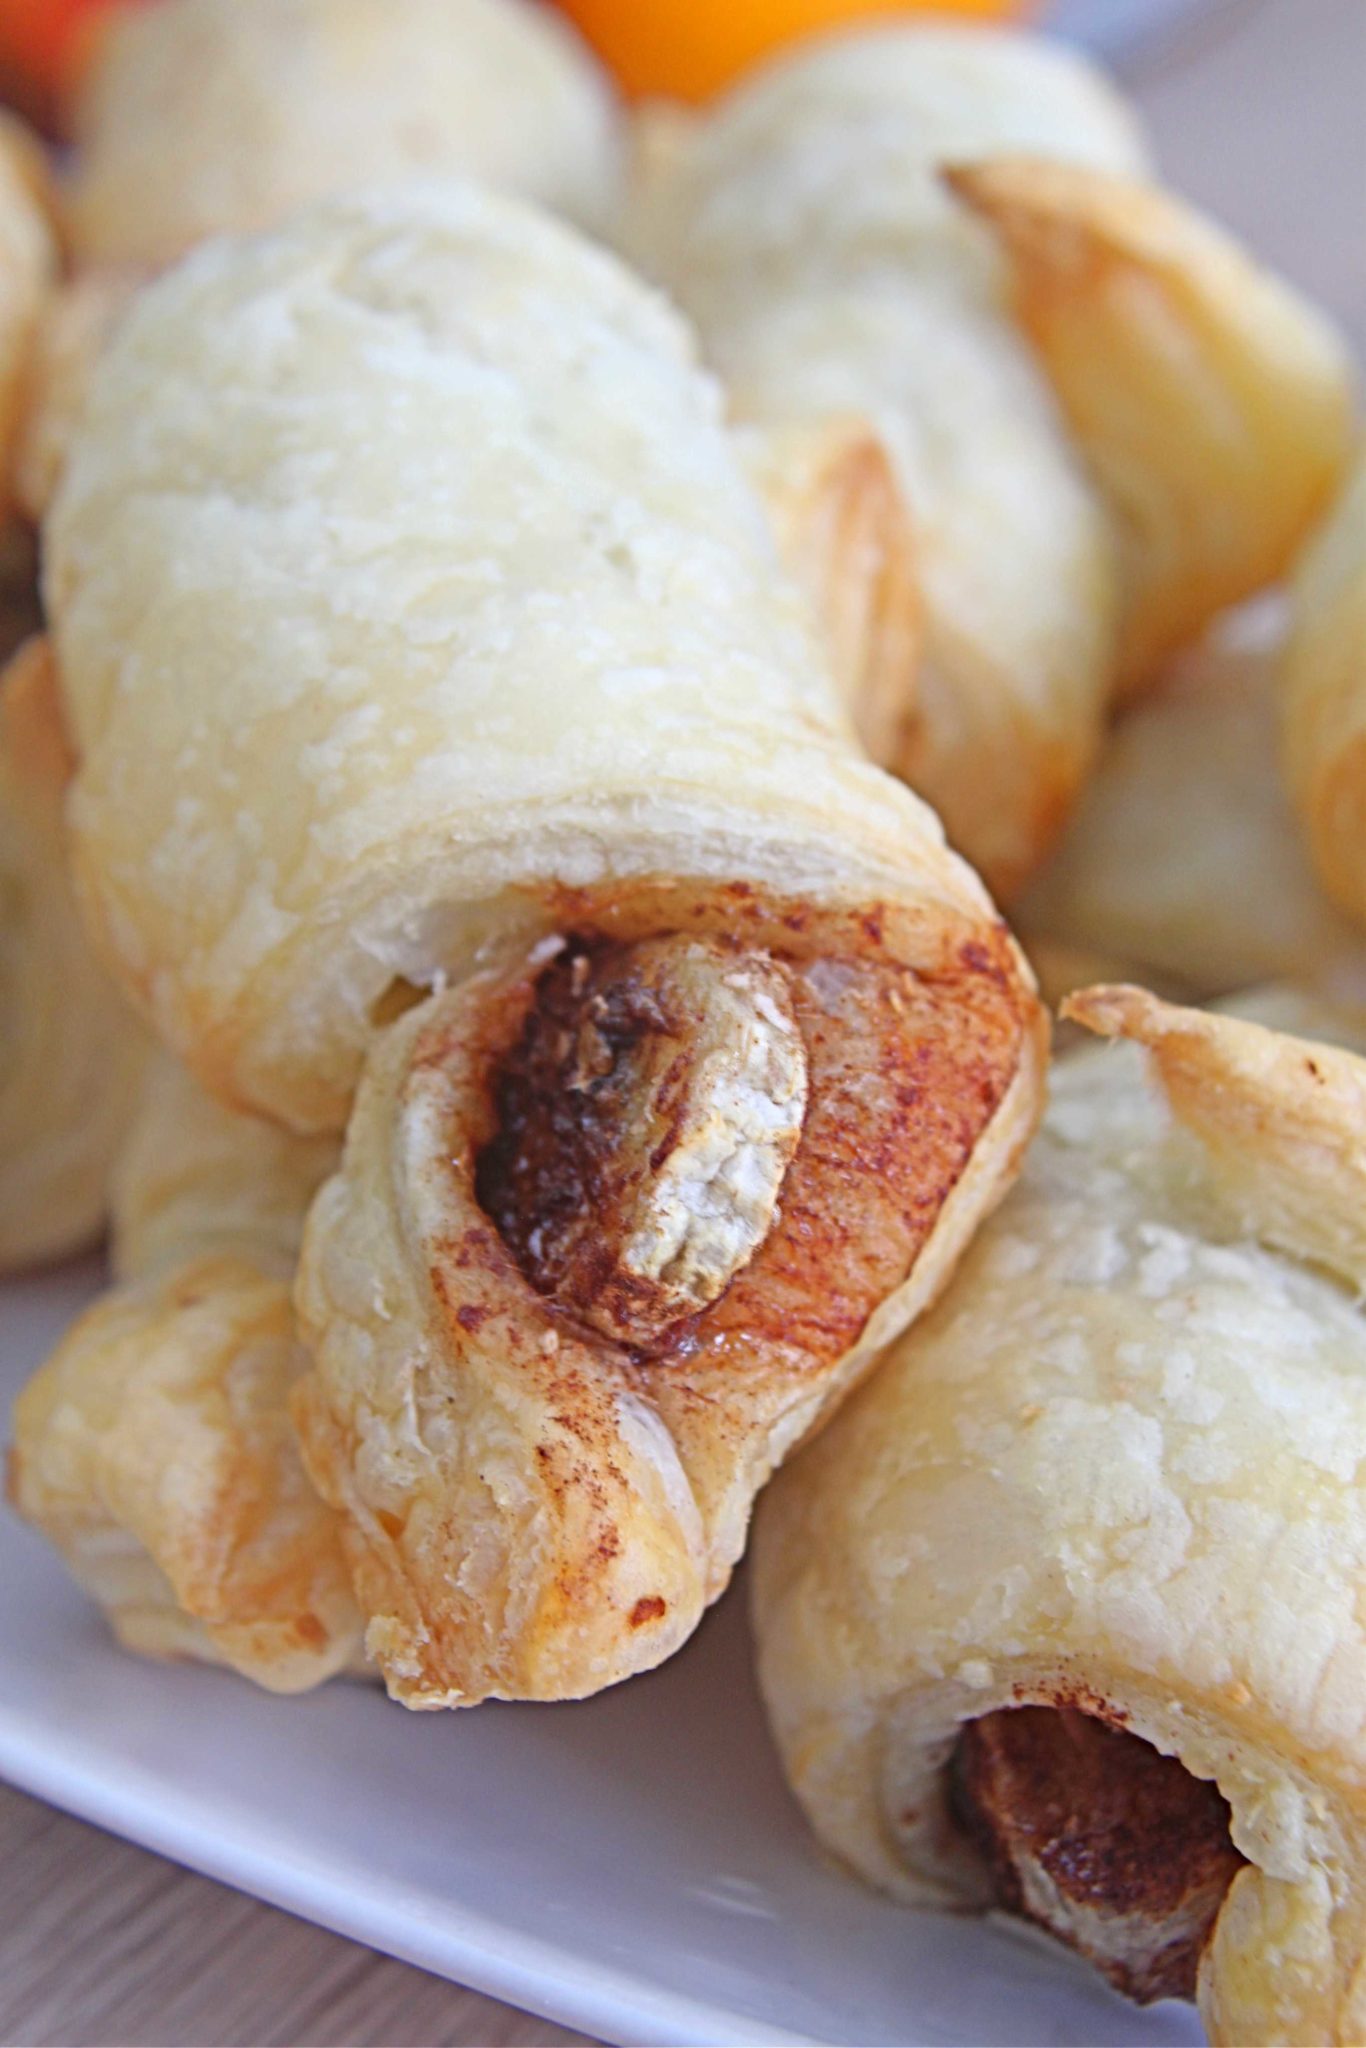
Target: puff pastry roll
[154,1448]
[449,652]
[71,1051]
[1063,1612]
[836,284]
[204,116]
[1184,866]
[1324,698]
[1212,402]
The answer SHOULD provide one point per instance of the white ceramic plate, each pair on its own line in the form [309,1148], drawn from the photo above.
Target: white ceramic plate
[631,1866]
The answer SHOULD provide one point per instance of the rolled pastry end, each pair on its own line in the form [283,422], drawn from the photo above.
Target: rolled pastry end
[154,1451]
[646,1120]
[1099,1838]
[1212,402]
[616,1226]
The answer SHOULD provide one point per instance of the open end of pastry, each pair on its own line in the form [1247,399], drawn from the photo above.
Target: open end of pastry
[707,1131]
[1095,1835]
[647,1118]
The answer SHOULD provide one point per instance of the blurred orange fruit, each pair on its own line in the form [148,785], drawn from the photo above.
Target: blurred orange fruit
[688,48]
[41,45]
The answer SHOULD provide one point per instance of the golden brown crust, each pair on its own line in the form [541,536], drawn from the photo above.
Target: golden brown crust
[846,535]
[72,1053]
[1212,403]
[28,268]
[154,1450]
[1323,690]
[625,1473]
[154,1447]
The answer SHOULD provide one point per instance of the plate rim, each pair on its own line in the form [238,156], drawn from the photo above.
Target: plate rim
[468,1949]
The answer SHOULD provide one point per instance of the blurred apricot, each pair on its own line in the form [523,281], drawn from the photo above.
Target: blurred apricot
[687,49]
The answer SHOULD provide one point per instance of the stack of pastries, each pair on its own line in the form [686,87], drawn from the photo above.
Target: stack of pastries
[477,931]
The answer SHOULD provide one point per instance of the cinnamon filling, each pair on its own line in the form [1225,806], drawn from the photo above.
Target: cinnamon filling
[722,1148]
[1095,1835]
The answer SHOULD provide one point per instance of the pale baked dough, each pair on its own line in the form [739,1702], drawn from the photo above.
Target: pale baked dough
[802,225]
[154,1448]
[1212,402]
[71,1051]
[204,116]
[454,597]
[1324,697]
[1118,1469]
[1184,866]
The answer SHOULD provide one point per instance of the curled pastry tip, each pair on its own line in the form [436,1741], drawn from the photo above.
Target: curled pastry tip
[1211,400]
[1281,1118]
[845,532]
[153,1448]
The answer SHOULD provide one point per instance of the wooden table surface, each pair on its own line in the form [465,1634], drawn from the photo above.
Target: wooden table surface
[1256,109]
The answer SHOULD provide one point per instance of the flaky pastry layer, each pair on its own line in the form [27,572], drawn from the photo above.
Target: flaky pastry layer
[154,1448]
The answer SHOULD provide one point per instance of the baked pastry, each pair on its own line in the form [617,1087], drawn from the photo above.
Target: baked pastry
[838,288]
[1212,402]
[1184,866]
[922,238]
[202,117]
[71,1052]
[205,116]
[453,657]
[154,1448]
[1324,698]
[1063,1611]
